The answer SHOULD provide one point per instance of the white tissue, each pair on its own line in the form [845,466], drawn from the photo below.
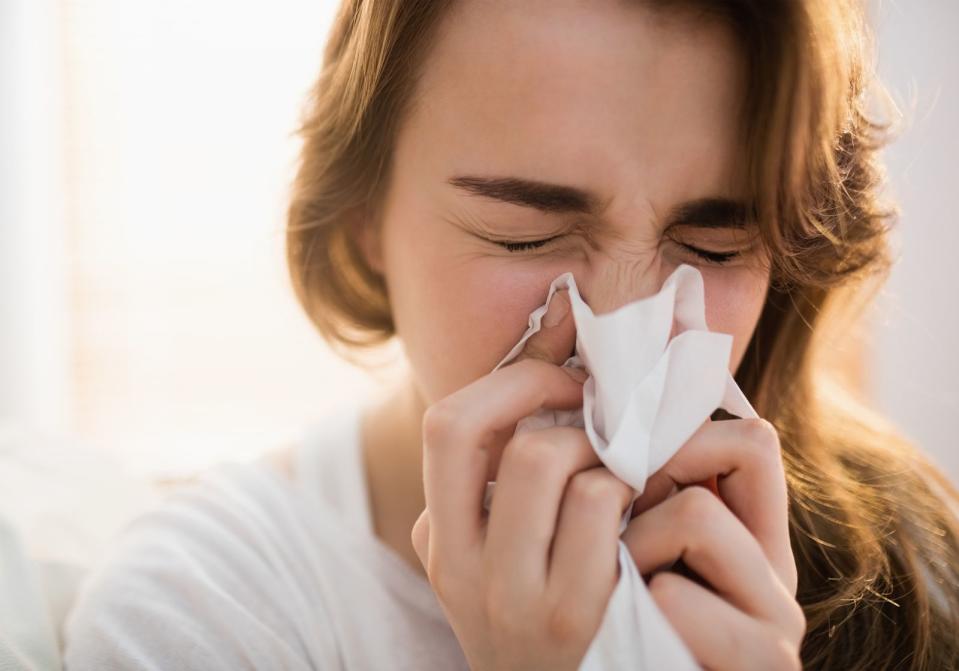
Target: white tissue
[645,396]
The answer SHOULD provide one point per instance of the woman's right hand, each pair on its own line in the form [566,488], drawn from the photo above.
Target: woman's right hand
[526,586]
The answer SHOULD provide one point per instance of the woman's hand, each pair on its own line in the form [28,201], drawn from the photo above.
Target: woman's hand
[525,587]
[739,545]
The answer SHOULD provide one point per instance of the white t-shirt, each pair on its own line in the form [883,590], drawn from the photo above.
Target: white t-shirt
[246,569]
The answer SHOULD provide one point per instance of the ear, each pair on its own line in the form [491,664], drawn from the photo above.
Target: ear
[366,233]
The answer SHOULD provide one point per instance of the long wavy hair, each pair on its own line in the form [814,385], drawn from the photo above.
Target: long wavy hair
[873,523]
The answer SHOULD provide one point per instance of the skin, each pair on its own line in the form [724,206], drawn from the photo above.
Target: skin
[639,108]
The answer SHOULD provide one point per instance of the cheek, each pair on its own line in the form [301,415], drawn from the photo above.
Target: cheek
[458,315]
[484,306]
[734,302]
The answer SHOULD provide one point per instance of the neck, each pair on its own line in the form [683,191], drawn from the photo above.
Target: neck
[392,448]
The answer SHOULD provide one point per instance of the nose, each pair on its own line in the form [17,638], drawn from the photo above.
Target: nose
[616,282]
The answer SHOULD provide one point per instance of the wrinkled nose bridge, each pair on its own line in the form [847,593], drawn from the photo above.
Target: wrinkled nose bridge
[616,284]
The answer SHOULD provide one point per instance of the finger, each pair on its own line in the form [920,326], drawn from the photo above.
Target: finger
[695,526]
[745,453]
[533,474]
[420,537]
[584,558]
[463,435]
[457,436]
[719,636]
[556,338]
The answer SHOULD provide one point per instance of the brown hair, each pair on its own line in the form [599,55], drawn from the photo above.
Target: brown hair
[872,522]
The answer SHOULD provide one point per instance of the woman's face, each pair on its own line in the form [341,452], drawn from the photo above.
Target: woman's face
[606,127]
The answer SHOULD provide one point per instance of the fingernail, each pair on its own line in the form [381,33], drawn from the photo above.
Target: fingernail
[577,374]
[558,308]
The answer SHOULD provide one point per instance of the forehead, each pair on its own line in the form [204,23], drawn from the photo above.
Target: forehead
[613,96]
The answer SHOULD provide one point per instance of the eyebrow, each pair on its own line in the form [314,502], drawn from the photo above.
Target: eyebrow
[712,212]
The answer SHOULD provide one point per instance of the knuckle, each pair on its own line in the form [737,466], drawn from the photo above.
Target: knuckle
[525,443]
[569,625]
[761,431]
[530,453]
[419,534]
[439,422]
[666,588]
[798,622]
[537,364]
[762,441]
[593,489]
[501,609]
[696,507]
[790,576]
[776,652]
[440,579]
[785,656]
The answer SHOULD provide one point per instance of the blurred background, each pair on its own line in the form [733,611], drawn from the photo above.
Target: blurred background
[145,153]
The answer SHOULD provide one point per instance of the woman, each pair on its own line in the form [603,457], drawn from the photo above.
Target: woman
[460,155]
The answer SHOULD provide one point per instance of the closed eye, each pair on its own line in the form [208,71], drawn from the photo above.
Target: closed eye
[522,246]
[717,258]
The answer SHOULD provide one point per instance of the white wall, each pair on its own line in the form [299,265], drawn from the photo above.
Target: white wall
[189,346]
[34,324]
[916,357]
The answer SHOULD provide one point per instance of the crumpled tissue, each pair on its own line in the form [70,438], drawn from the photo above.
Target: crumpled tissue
[645,396]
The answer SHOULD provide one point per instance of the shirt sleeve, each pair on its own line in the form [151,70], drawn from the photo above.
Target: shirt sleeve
[207,581]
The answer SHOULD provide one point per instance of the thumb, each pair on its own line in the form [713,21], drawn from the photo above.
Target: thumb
[555,340]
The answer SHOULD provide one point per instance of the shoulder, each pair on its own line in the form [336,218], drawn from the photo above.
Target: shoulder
[210,579]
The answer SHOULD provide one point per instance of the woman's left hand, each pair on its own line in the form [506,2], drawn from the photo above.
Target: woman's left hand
[739,545]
